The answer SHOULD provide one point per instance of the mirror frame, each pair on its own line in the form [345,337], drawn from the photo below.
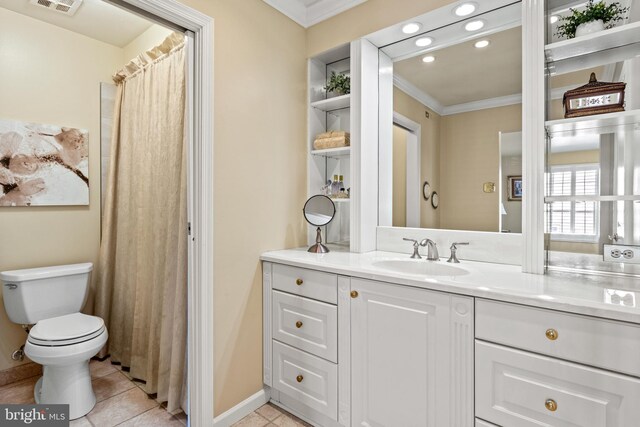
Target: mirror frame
[533,112]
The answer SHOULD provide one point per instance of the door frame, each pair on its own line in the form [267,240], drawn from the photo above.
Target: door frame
[414,174]
[200,347]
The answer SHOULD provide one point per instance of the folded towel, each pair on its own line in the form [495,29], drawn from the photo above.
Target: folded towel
[335,142]
[333,134]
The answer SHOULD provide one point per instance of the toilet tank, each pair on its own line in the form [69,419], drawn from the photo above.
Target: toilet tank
[41,293]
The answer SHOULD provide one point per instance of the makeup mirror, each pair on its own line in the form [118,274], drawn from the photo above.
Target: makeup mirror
[319,211]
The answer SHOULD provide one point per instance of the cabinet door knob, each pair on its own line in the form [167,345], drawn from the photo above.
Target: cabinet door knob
[551,405]
[354,294]
[552,334]
[298,324]
[299,282]
[299,378]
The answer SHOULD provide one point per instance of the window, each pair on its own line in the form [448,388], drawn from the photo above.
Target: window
[567,217]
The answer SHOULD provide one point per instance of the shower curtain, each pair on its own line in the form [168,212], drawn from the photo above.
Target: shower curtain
[141,287]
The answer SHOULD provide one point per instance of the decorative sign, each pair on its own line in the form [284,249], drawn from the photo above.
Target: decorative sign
[43,165]
[594,98]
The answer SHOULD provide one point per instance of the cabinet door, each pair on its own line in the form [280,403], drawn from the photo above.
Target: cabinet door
[411,357]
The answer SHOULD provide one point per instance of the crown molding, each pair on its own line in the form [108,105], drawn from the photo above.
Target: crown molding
[483,104]
[417,94]
[311,15]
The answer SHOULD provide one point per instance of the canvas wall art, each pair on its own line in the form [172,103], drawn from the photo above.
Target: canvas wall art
[43,165]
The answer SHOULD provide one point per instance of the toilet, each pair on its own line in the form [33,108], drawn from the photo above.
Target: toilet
[63,340]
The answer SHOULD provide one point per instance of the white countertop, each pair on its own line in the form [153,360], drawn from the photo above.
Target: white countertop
[576,293]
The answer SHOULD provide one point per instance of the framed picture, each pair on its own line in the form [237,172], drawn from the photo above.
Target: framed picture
[515,188]
[43,165]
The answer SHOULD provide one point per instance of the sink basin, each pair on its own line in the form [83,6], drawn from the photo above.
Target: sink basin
[420,267]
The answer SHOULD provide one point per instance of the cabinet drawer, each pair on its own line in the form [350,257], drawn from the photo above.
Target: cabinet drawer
[306,324]
[516,388]
[306,378]
[596,342]
[307,283]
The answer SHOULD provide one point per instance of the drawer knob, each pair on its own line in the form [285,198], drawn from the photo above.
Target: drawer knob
[551,405]
[298,324]
[299,282]
[552,334]
[354,294]
[299,378]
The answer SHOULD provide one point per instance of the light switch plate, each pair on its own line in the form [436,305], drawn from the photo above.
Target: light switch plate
[622,253]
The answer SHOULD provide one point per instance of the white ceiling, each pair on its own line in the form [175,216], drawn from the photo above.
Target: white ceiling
[463,73]
[310,12]
[95,18]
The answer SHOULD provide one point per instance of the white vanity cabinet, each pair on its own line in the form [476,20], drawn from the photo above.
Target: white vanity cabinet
[343,351]
[542,367]
[411,356]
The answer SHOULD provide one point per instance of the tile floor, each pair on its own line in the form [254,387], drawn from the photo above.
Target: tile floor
[120,402]
[270,415]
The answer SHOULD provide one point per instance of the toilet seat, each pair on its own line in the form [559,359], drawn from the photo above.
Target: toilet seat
[66,330]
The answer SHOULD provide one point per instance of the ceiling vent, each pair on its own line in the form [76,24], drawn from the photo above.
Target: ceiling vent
[68,7]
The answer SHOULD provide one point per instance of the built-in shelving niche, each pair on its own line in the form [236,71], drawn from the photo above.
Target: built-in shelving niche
[592,179]
[330,113]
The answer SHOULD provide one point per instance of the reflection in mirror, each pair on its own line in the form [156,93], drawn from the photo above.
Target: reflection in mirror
[593,161]
[462,96]
[319,211]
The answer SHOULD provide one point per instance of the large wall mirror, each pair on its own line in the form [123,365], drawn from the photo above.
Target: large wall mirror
[456,148]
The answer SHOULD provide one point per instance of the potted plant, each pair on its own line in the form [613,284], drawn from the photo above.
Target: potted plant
[595,17]
[340,84]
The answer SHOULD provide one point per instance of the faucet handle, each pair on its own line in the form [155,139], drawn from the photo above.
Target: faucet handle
[454,246]
[416,246]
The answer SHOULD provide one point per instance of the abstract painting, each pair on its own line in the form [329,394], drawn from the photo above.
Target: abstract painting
[43,165]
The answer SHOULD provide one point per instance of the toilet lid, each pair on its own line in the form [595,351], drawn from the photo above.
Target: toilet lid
[67,329]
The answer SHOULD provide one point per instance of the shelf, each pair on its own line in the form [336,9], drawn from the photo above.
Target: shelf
[332,152]
[335,103]
[595,42]
[550,199]
[340,200]
[592,125]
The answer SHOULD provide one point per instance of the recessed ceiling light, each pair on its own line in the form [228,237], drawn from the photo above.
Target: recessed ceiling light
[465,9]
[424,41]
[474,25]
[412,27]
[553,19]
[482,43]
[428,59]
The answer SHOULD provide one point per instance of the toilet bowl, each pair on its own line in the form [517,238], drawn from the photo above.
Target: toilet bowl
[63,346]
[62,340]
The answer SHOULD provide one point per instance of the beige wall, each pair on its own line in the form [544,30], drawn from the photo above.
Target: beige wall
[399,213]
[145,41]
[51,76]
[260,174]
[429,150]
[370,16]
[469,157]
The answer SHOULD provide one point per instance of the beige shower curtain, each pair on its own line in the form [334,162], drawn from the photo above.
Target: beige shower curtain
[141,288]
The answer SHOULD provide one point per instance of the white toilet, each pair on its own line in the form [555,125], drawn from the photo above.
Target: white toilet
[63,339]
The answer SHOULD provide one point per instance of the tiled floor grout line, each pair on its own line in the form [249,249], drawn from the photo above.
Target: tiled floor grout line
[137,415]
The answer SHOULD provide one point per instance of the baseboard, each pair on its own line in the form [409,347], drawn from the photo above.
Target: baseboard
[242,409]
[19,373]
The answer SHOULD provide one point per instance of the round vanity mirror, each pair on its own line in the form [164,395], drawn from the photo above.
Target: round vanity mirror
[319,211]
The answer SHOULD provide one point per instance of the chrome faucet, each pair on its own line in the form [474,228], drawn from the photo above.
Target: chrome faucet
[432,249]
[454,247]
[416,246]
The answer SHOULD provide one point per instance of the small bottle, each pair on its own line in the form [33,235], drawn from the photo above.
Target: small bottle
[335,186]
[341,182]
